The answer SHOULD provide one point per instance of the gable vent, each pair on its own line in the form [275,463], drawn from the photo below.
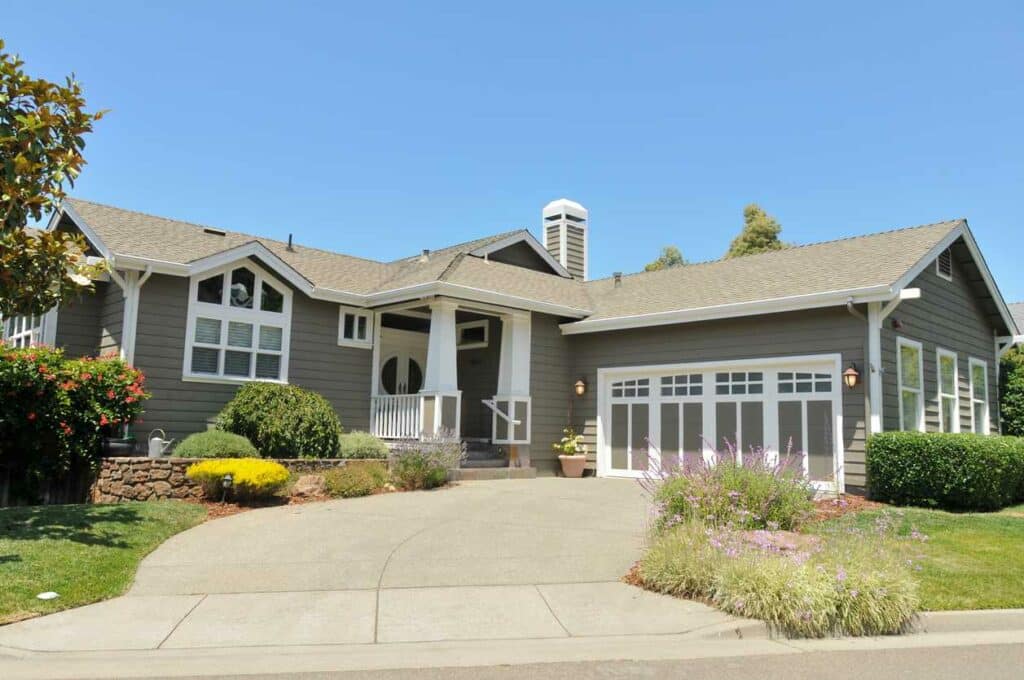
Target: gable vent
[944,264]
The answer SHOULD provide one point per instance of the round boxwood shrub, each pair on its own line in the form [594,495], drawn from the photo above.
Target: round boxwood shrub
[355,480]
[215,444]
[283,421]
[362,445]
[950,471]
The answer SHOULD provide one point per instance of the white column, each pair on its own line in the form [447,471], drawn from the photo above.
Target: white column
[875,367]
[442,366]
[130,293]
[514,360]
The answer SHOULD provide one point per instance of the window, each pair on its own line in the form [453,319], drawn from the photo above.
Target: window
[739,383]
[979,396]
[355,328]
[949,401]
[910,375]
[804,383]
[473,334]
[23,331]
[686,385]
[638,387]
[238,326]
[944,264]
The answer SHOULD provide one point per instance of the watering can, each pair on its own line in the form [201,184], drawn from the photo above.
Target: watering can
[158,445]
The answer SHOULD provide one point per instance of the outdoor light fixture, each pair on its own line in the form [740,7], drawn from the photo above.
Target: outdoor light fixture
[580,387]
[851,377]
[225,486]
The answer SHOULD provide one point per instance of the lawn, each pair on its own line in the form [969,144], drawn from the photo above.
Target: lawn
[969,560]
[85,553]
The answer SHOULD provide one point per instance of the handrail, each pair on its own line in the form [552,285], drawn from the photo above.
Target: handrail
[493,405]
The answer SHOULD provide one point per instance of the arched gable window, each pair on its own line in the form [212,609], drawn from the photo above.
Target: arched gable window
[239,321]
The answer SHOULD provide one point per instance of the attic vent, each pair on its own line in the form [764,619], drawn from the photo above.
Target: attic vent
[944,264]
[214,231]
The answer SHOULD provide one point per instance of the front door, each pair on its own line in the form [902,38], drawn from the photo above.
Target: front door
[401,373]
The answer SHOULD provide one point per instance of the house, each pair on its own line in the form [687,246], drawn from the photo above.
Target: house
[505,339]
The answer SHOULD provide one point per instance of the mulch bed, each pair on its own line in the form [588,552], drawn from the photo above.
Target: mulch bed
[830,508]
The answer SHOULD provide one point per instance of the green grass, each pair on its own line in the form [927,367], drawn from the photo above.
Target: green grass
[86,553]
[970,560]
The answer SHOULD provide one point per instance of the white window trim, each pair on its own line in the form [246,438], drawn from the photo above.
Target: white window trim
[939,353]
[225,313]
[938,270]
[987,425]
[357,313]
[40,329]
[482,323]
[906,342]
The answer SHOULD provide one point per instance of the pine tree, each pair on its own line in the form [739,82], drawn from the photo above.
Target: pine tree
[760,233]
[670,257]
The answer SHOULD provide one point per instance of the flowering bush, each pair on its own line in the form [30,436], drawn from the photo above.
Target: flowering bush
[571,444]
[425,465]
[54,412]
[251,478]
[757,492]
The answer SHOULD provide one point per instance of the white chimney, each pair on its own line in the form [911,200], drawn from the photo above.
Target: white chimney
[565,235]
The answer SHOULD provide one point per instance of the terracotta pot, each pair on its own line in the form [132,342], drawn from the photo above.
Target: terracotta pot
[572,466]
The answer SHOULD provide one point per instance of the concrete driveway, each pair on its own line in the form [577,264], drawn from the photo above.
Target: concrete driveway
[529,559]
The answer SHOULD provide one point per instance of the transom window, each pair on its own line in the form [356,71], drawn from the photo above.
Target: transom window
[355,328]
[238,329]
[949,406]
[910,373]
[473,334]
[979,396]
[637,387]
[23,331]
[804,383]
[685,385]
[739,383]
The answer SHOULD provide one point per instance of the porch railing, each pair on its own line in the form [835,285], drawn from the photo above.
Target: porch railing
[396,416]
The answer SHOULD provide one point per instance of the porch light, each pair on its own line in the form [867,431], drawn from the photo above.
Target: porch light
[580,387]
[851,377]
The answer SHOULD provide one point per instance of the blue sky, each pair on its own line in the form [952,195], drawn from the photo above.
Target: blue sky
[379,129]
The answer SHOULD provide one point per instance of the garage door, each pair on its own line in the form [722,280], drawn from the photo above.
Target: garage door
[653,417]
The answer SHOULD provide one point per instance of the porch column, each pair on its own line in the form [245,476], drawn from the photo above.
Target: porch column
[513,397]
[441,400]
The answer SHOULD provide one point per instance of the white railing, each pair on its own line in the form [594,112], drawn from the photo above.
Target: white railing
[396,416]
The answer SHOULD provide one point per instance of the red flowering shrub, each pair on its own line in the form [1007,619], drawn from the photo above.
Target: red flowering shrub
[54,412]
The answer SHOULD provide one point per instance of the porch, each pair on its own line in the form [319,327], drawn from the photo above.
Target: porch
[448,368]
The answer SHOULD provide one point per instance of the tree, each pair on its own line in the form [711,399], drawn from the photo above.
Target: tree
[670,257]
[1011,393]
[42,125]
[760,233]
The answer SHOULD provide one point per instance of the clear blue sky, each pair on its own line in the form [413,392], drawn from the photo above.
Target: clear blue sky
[379,129]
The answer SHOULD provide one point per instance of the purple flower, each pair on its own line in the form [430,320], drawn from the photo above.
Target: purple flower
[841,575]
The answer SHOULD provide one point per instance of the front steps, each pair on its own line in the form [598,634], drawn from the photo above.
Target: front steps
[486,461]
[478,474]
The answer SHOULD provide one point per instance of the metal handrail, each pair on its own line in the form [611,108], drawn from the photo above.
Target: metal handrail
[493,405]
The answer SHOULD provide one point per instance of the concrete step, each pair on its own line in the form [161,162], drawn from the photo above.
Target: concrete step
[484,463]
[477,474]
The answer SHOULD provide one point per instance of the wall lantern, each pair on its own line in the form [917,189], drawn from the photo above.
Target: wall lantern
[580,387]
[851,377]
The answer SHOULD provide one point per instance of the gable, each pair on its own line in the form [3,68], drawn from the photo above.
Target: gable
[520,254]
[965,295]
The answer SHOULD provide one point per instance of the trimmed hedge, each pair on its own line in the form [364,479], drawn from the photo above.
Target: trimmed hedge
[283,421]
[215,444]
[949,471]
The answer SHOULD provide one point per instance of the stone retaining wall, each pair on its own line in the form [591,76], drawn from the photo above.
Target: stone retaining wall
[145,479]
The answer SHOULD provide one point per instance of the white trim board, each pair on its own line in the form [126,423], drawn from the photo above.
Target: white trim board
[530,240]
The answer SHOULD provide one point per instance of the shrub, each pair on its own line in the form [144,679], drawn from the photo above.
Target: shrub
[283,421]
[425,465]
[54,412]
[847,583]
[215,444]
[251,478]
[756,494]
[1011,392]
[950,471]
[355,480]
[362,445]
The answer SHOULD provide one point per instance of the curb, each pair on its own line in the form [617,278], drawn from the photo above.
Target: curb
[971,621]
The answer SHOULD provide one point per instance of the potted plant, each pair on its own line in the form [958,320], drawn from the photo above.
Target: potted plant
[572,453]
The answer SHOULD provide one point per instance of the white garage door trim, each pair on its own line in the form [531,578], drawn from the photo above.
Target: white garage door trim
[832,363]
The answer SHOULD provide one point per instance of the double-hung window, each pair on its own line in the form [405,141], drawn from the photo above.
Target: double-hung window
[979,396]
[23,331]
[949,400]
[910,374]
[239,324]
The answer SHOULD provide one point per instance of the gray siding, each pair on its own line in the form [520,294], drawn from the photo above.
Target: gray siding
[949,316]
[552,242]
[111,318]
[825,331]
[575,244]
[521,255]
[551,379]
[78,323]
[316,362]
[478,380]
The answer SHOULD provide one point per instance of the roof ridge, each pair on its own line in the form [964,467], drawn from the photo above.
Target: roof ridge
[788,248]
[464,243]
[199,225]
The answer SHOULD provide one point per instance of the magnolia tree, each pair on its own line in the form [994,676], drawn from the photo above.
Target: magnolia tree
[42,129]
